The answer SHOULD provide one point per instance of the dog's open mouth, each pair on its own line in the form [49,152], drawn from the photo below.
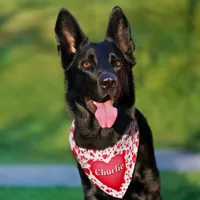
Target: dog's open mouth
[104,111]
[92,105]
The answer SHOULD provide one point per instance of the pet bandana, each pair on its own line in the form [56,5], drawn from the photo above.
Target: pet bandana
[110,169]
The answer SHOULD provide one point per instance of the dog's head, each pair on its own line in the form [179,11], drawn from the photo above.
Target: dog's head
[98,75]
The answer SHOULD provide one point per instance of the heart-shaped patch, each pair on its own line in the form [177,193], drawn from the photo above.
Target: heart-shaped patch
[111,173]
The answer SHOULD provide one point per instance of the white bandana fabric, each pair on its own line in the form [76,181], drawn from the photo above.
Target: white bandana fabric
[110,169]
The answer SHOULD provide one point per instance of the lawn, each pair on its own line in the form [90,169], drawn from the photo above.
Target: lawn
[174,186]
[34,124]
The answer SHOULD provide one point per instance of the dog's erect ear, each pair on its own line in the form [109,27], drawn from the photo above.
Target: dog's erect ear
[119,31]
[69,35]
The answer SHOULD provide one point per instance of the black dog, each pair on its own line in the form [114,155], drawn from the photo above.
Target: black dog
[101,73]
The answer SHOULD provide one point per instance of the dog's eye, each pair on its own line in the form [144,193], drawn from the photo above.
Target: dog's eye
[85,64]
[118,63]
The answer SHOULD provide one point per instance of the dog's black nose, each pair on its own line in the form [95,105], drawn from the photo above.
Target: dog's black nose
[108,81]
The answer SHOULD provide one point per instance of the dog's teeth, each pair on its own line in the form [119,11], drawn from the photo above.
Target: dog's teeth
[94,102]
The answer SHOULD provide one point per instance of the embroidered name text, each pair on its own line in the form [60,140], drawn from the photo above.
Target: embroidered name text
[116,169]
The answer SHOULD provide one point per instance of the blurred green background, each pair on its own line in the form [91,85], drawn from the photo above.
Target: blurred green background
[34,124]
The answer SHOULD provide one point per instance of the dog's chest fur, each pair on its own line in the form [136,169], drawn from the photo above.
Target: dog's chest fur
[145,180]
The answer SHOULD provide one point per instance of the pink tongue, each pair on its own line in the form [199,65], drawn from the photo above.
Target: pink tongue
[106,114]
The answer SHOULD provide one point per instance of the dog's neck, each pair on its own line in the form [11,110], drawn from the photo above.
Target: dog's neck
[88,134]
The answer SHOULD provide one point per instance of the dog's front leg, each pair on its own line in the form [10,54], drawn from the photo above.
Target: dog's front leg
[89,189]
[155,196]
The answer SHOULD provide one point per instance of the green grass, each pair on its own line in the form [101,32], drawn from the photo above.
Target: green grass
[174,186]
[34,124]
[41,194]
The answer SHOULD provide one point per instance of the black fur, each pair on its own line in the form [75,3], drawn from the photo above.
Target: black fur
[83,84]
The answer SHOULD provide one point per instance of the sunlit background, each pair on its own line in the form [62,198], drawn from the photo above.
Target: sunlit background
[34,124]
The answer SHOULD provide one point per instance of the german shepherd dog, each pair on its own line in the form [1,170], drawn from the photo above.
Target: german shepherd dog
[100,75]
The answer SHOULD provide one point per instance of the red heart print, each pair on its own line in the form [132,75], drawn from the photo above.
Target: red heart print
[112,173]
